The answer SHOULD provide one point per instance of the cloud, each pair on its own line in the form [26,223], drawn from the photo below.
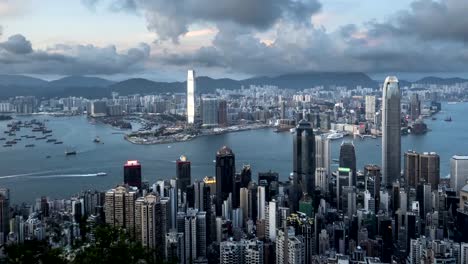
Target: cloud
[18,57]
[444,20]
[17,44]
[171,19]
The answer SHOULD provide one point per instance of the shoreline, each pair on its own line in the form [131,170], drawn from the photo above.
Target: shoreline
[185,138]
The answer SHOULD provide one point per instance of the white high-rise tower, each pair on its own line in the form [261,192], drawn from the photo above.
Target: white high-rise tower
[191,85]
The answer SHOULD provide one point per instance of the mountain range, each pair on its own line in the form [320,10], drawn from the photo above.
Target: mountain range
[94,87]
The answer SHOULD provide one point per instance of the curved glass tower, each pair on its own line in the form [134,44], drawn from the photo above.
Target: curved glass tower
[391,131]
[191,96]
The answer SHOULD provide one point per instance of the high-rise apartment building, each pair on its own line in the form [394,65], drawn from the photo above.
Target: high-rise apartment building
[4,214]
[191,102]
[119,208]
[370,108]
[391,131]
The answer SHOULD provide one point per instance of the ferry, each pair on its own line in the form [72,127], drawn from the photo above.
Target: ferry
[70,152]
[30,146]
[448,119]
[97,140]
[58,142]
[11,142]
[7,145]
[51,140]
[2,139]
[334,136]
[101,174]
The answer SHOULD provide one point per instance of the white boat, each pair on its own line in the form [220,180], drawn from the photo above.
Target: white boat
[335,136]
[101,174]
[292,130]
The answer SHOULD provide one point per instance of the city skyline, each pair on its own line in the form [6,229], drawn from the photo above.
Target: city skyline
[305,35]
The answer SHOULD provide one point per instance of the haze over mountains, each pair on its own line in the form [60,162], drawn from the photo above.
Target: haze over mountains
[94,87]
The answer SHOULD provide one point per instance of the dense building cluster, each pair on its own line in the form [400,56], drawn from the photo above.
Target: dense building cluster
[318,214]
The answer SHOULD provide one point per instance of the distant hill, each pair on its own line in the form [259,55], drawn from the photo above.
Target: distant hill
[93,87]
[21,81]
[437,80]
[80,81]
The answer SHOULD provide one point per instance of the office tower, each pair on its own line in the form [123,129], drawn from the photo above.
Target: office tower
[304,157]
[269,180]
[245,176]
[458,172]
[391,132]
[415,107]
[222,113]
[348,159]
[429,169]
[191,86]
[344,179]
[119,208]
[211,183]
[201,234]
[370,108]
[201,196]
[252,201]
[44,207]
[190,232]
[183,174]
[321,180]
[412,168]
[210,111]
[282,109]
[132,173]
[261,202]
[322,153]
[4,214]
[225,172]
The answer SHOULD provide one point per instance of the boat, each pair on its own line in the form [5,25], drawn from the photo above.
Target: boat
[433,118]
[58,142]
[46,131]
[51,140]
[2,139]
[334,136]
[11,142]
[448,119]
[30,146]
[47,157]
[70,152]
[101,174]
[97,140]
[292,130]
[7,145]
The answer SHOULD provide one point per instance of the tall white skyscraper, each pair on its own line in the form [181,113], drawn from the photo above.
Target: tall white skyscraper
[322,153]
[370,108]
[458,172]
[391,131]
[261,202]
[191,86]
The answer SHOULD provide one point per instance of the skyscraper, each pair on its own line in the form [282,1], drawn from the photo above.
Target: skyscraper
[4,214]
[322,153]
[348,159]
[412,168]
[191,86]
[132,173]
[304,156]
[415,107]
[225,174]
[183,173]
[370,108]
[391,132]
[222,113]
[458,172]
[429,169]
[210,111]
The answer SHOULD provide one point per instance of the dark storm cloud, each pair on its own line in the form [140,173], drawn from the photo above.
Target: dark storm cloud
[444,20]
[17,44]
[171,19]
[17,56]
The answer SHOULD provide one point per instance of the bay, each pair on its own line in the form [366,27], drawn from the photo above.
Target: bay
[30,174]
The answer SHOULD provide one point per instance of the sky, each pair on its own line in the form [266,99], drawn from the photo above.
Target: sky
[161,39]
